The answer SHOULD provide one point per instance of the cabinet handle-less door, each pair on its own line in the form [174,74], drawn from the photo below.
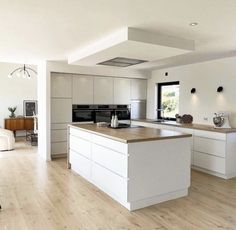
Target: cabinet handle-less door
[61,110]
[139,89]
[122,91]
[103,90]
[61,85]
[82,90]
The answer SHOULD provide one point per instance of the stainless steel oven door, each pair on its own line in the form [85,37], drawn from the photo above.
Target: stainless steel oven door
[103,115]
[82,115]
[123,114]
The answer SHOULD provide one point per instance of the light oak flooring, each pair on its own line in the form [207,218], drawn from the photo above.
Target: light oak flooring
[39,195]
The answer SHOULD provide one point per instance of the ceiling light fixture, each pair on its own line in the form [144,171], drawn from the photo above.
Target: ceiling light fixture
[193,24]
[23,72]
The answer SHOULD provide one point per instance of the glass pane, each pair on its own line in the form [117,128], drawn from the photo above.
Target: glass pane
[170,100]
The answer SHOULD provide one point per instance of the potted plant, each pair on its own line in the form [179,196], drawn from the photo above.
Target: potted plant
[12,110]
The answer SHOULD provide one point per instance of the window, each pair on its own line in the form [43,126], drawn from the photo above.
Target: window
[168,100]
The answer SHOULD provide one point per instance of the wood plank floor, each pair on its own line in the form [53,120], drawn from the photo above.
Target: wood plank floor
[39,195]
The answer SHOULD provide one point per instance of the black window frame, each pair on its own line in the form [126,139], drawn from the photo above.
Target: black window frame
[159,89]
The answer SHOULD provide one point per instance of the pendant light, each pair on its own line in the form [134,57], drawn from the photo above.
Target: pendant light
[24,72]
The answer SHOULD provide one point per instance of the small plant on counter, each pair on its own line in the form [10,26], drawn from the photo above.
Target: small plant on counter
[12,110]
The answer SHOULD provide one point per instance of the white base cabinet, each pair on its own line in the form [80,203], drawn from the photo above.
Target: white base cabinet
[212,152]
[135,174]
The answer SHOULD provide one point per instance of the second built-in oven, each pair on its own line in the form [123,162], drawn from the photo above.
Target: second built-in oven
[122,112]
[103,113]
[83,113]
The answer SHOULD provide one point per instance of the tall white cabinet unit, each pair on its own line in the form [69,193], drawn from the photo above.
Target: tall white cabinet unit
[61,112]
[103,90]
[82,89]
[69,89]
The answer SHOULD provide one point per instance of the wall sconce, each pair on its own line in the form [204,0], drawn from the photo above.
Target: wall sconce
[193,90]
[220,89]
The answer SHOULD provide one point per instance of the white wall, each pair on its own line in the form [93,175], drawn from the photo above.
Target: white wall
[14,91]
[205,77]
[44,96]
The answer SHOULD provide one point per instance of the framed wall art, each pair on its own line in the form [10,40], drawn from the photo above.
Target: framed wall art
[30,108]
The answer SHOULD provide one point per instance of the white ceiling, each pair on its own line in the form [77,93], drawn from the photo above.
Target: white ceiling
[53,29]
[132,43]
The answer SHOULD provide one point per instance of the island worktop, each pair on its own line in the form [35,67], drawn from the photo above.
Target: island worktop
[131,134]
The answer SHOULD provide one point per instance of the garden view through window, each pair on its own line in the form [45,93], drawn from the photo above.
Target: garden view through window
[168,100]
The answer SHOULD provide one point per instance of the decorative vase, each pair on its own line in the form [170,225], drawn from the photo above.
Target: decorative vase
[12,110]
[12,115]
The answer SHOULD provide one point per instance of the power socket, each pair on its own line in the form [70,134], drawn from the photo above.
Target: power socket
[205,118]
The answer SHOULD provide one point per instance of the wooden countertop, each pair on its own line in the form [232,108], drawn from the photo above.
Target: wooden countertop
[191,126]
[132,134]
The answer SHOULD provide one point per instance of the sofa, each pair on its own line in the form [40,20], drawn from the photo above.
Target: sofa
[7,140]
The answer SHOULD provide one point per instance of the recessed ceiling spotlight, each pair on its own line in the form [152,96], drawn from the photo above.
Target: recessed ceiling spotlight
[193,24]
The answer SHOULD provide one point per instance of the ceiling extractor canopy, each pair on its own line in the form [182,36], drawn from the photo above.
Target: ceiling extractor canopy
[24,72]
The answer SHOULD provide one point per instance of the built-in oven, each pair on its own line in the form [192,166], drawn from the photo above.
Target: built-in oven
[83,113]
[122,112]
[103,113]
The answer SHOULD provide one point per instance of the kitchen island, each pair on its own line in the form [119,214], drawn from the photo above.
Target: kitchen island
[136,166]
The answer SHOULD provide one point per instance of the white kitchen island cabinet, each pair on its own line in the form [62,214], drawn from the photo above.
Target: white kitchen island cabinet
[137,167]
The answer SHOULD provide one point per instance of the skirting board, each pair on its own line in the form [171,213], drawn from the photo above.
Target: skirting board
[157,199]
[224,176]
[56,156]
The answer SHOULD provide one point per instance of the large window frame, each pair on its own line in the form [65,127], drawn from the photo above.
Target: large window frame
[159,97]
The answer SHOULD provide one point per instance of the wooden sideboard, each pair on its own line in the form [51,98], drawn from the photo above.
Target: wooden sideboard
[19,124]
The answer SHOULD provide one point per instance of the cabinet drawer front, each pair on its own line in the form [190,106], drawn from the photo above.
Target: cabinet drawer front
[109,182]
[59,148]
[206,145]
[56,126]
[209,162]
[208,134]
[80,164]
[80,146]
[110,159]
[79,133]
[58,135]
[114,145]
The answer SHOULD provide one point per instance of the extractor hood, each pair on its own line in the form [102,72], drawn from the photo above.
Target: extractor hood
[130,47]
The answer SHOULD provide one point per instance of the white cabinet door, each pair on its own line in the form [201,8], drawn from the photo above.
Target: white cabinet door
[82,89]
[61,110]
[121,91]
[139,89]
[103,90]
[61,85]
